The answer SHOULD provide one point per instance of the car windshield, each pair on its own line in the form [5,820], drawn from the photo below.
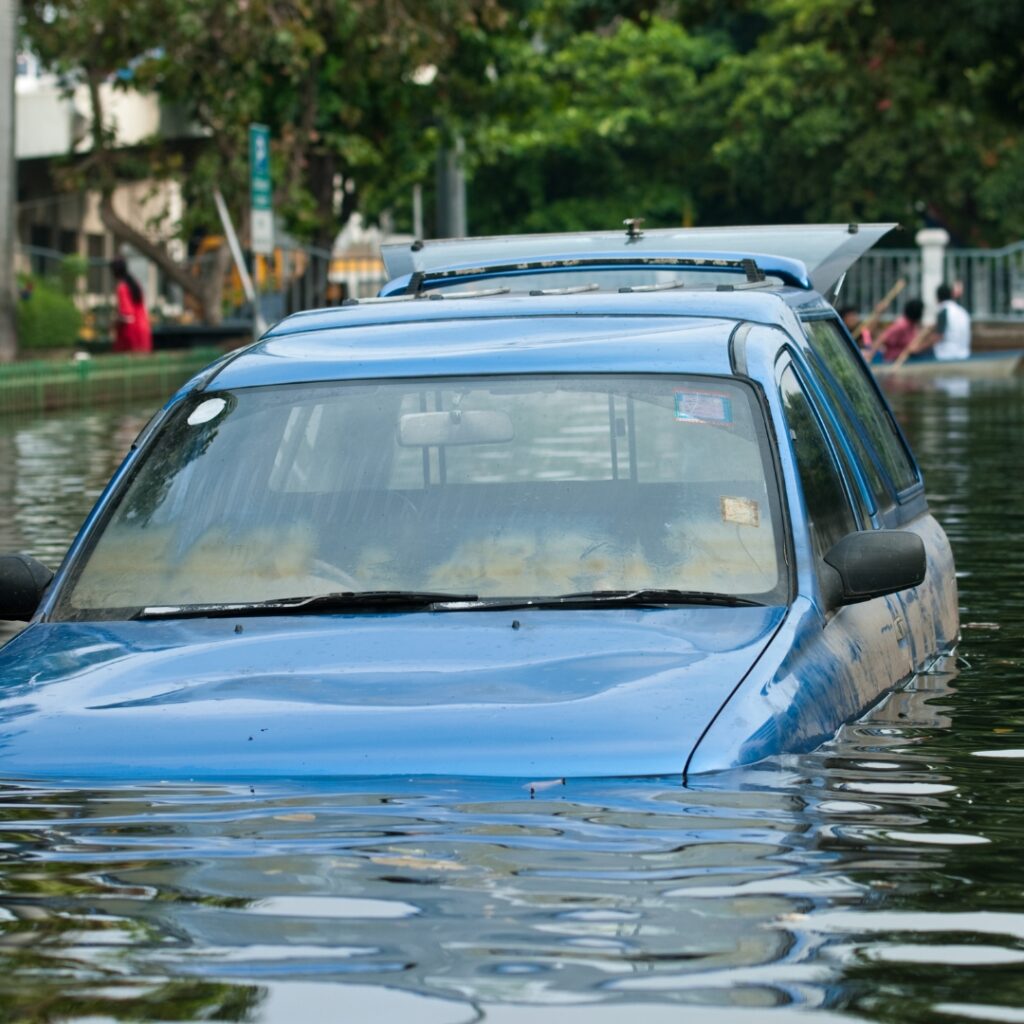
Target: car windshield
[496,487]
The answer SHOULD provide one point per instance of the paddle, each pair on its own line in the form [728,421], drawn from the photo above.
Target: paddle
[880,307]
[912,347]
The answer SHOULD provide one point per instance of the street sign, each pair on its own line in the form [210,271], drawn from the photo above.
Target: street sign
[261,212]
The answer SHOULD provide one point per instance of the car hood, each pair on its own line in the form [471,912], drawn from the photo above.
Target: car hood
[516,694]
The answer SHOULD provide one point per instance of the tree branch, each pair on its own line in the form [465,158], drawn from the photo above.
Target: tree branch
[205,291]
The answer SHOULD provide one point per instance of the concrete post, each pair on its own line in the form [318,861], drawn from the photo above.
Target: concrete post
[933,242]
[417,211]
[451,192]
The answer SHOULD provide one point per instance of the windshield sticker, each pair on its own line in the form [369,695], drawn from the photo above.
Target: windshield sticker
[703,407]
[742,511]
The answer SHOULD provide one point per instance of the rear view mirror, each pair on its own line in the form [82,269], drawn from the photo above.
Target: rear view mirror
[22,582]
[477,426]
[873,563]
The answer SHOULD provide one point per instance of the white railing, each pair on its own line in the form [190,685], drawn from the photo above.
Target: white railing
[992,280]
[875,273]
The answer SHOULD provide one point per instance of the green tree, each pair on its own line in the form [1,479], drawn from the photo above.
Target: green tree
[332,78]
[783,110]
[89,41]
[851,109]
[606,125]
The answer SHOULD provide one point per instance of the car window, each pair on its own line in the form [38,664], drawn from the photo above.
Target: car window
[838,431]
[830,517]
[874,423]
[501,486]
[882,493]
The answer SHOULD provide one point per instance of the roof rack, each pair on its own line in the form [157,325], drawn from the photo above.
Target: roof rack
[745,265]
[755,277]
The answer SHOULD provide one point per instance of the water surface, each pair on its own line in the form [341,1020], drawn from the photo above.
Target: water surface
[876,879]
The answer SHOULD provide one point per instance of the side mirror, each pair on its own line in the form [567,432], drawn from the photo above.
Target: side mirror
[22,582]
[873,563]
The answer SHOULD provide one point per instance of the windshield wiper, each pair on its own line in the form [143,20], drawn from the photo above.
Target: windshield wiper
[348,600]
[415,600]
[644,598]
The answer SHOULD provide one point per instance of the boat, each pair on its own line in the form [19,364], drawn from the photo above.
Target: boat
[978,366]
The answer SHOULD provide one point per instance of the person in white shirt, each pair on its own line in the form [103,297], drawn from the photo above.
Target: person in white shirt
[950,338]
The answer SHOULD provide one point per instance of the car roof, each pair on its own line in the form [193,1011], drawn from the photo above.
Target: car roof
[675,331]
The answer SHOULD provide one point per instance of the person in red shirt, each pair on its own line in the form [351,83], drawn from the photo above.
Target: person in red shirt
[852,318]
[901,332]
[131,331]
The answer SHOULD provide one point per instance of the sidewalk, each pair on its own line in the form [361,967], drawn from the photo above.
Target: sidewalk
[40,385]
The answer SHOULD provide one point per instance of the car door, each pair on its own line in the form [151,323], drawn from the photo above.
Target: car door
[893,480]
[854,652]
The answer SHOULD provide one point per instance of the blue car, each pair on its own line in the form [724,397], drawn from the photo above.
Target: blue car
[607,505]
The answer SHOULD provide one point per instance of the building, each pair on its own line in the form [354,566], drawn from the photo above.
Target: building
[52,129]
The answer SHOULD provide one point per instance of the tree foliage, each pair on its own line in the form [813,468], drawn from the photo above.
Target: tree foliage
[575,113]
[783,110]
[333,79]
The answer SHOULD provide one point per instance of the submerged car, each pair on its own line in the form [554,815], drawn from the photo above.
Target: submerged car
[563,506]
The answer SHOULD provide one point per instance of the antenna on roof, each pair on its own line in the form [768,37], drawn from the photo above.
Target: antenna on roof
[633,232]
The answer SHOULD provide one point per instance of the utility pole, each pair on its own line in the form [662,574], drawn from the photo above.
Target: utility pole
[417,211]
[8,178]
[451,192]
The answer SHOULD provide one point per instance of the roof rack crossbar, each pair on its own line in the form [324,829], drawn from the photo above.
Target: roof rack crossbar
[479,294]
[430,296]
[661,286]
[575,289]
[745,265]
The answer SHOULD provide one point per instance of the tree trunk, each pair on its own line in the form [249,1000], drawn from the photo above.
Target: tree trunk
[8,184]
[205,289]
[212,302]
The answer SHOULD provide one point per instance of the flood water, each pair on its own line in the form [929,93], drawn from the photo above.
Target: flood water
[879,878]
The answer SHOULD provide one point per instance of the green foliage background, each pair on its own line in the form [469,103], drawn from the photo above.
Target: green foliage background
[47,315]
[577,113]
[775,111]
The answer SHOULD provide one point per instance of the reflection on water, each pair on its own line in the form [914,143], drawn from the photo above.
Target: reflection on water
[53,468]
[877,878]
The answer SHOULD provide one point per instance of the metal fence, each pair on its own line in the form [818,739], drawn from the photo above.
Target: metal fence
[292,279]
[992,280]
[875,273]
